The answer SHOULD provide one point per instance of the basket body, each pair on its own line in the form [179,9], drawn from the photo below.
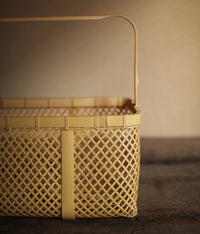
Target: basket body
[69,157]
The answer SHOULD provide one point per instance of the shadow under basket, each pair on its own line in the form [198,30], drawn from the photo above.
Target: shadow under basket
[70,158]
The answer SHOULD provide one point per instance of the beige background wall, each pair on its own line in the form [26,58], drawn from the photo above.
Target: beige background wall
[95,58]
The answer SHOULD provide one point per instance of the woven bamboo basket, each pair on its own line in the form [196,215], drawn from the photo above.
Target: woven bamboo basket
[70,157]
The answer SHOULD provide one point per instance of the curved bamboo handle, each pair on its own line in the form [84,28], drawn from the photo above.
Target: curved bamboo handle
[86,17]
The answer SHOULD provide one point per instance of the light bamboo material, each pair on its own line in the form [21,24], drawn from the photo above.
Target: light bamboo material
[67,175]
[69,157]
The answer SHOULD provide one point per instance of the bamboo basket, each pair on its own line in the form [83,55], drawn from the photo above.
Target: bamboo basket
[70,157]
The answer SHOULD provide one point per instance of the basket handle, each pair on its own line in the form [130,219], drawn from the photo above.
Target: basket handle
[86,17]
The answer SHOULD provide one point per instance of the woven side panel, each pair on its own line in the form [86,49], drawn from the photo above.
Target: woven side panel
[30,173]
[107,166]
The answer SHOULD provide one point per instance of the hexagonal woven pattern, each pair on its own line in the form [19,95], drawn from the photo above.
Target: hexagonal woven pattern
[107,163]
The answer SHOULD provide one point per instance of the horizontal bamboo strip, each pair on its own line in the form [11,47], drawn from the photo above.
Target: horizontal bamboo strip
[71,122]
[115,120]
[21,122]
[130,119]
[79,122]
[62,102]
[53,122]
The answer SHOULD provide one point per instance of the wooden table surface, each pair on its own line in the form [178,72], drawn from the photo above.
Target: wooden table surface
[168,200]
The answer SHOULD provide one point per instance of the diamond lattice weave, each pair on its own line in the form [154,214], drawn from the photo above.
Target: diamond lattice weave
[30,173]
[106,172]
[106,169]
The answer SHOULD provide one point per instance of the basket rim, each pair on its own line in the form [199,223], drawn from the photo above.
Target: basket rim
[65,122]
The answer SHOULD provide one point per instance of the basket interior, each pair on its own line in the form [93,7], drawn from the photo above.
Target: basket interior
[78,111]
[126,109]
